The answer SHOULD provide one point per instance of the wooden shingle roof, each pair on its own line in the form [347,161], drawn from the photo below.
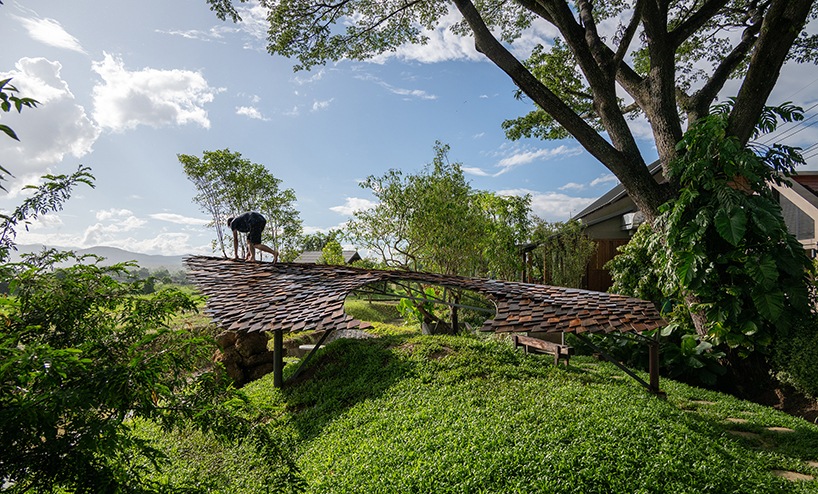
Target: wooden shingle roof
[251,296]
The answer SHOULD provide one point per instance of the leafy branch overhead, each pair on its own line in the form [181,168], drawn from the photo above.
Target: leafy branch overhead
[7,99]
[671,59]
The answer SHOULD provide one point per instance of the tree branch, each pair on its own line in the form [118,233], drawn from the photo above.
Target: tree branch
[687,28]
[783,23]
[699,104]
[628,166]
[627,37]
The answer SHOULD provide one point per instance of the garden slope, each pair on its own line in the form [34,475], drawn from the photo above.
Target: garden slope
[438,414]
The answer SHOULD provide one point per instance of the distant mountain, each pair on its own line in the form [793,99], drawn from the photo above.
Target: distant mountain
[112,255]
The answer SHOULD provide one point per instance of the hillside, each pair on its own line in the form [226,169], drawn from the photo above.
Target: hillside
[112,255]
[431,414]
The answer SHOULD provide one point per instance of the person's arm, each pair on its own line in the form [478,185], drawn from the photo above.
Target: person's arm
[235,244]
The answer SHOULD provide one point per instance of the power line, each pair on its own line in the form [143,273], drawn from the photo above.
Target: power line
[774,136]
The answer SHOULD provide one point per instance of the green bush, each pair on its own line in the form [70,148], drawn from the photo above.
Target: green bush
[82,355]
[796,356]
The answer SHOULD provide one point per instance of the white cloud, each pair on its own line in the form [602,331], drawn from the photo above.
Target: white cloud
[413,93]
[214,33]
[442,45]
[321,105]
[309,80]
[608,178]
[309,230]
[541,32]
[605,179]
[572,185]
[149,96]
[524,157]
[168,244]
[112,213]
[552,206]
[249,111]
[58,126]
[293,112]
[354,204]
[45,221]
[254,23]
[471,170]
[477,136]
[50,32]
[179,219]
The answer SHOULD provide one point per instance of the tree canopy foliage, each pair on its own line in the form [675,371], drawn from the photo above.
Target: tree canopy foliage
[671,58]
[563,252]
[229,185]
[434,221]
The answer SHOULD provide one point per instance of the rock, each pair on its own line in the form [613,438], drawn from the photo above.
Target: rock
[226,338]
[234,372]
[260,371]
[265,357]
[249,344]
[227,356]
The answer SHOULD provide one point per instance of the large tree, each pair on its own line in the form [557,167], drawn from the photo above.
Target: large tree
[671,57]
[228,185]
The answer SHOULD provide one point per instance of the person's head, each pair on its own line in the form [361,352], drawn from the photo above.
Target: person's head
[230,221]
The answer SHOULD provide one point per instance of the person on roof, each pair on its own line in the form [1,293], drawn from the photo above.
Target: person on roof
[251,223]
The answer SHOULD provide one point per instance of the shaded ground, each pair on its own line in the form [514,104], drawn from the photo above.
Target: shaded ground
[789,401]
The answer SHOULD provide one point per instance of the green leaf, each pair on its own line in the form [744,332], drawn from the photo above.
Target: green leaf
[770,303]
[763,271]
[731,226]
[749,328]
[765,220]
[8,132]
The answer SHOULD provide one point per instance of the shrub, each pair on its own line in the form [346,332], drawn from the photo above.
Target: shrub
[796,356]
[81,356]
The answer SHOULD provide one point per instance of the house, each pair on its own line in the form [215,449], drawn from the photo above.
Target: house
[612,219]
[313,256]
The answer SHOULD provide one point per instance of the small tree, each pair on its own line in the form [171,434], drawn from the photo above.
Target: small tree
[317,241]
[563,253]
[229,185]
[434,221]
[332,254]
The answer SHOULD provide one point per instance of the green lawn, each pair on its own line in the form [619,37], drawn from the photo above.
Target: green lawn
[432,414]
[372,311]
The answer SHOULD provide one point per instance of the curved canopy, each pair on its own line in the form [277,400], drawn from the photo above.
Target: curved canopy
[256,296]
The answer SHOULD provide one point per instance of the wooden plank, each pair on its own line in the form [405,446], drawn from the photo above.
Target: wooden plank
[558,351]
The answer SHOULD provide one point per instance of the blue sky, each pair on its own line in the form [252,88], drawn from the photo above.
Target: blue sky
[126,86]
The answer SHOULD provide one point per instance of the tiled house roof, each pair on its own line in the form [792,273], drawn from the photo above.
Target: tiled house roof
[250,296]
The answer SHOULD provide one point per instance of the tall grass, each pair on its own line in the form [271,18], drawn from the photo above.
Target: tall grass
[411,413]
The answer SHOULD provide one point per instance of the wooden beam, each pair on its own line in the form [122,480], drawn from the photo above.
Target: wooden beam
[278,357]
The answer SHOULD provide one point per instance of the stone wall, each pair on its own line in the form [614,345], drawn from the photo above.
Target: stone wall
[245,356]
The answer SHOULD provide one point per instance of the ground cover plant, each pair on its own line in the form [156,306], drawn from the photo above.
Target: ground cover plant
[435,413]
[366,310]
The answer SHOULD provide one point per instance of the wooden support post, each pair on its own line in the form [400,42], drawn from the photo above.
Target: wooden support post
[530,257]
[654,367]
[278,357]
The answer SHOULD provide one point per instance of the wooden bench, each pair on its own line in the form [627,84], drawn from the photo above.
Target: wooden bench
[533,345]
